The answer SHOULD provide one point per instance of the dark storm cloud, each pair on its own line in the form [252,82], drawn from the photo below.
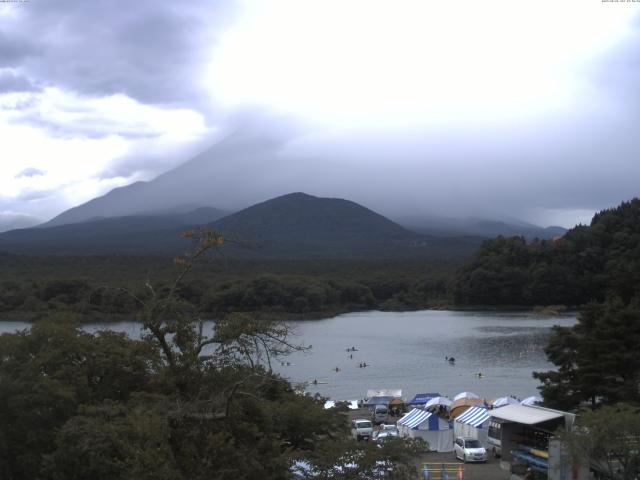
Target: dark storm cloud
[150,51]
[15,47]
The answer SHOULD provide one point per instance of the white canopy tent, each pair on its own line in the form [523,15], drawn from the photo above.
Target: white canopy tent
[504,401]
[430,427]
[465,395]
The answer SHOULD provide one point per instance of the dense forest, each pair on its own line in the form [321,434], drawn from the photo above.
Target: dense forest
[587,264]
[32,287]
[597,267]
[180,403]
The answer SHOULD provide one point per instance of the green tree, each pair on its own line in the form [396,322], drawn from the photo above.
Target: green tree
[607,440]
[597,360]
[48,372]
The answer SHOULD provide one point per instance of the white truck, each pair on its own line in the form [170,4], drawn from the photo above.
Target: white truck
[494,438]
[361,429]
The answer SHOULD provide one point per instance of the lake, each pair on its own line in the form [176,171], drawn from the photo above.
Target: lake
[407,350]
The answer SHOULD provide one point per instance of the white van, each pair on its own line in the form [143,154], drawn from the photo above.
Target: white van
[361,429]
[380,414]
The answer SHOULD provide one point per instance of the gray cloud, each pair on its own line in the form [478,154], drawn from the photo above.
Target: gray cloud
[154,52]
[151,51]
[13,82]
[89,125]
[31,195]
[15,47]
[30,172]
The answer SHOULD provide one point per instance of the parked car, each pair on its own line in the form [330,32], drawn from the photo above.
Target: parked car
[384,435]
[380,414]
[361,429]
[469,450]
[389,427]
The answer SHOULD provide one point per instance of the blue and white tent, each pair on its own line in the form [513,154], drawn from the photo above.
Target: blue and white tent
[475,416]
[473,423]
[430,427]
[418,417]
[422,398]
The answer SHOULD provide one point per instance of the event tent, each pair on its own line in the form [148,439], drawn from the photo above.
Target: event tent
[382,400]
[422,398]
[473,423]
[462,404]
[430,427]
[465,395]
[435,401]
[503,401]
[531,400]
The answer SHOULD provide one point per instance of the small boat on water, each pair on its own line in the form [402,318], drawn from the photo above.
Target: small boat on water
[316,382]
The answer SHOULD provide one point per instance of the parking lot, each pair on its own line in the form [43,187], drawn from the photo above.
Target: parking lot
[472,471]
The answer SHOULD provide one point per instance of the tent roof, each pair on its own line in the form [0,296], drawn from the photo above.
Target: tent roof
[414,418]
[465,395]
[475,416]
[379,400]
[525,414]
[502,401]
[384,392]
[422,398]
[438,401]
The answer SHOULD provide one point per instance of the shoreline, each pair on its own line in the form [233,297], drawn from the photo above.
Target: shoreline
[99,317]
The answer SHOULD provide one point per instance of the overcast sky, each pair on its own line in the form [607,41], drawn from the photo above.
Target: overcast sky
[465,108]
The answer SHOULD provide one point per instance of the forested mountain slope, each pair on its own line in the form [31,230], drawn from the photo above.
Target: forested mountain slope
[587,263]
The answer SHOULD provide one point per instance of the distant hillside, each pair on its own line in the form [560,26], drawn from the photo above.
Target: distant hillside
[291,226]
[246,168]
[300,225]
[234,173]
[299,218]
[11,221]
[447,227]
[133,234]
[587,263]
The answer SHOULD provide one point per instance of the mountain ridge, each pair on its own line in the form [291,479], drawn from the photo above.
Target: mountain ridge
[289,226]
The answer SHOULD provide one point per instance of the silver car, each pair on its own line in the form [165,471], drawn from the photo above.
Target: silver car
[469,450]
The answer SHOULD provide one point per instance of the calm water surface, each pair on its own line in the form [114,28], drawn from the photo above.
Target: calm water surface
[407,351]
